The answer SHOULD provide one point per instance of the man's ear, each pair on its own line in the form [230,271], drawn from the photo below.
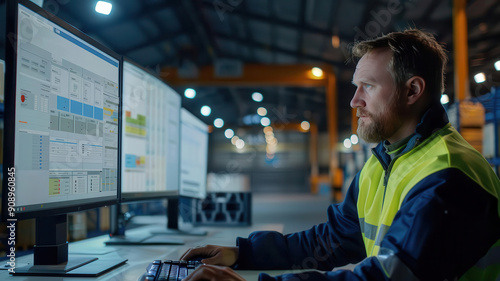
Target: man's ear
[416,87]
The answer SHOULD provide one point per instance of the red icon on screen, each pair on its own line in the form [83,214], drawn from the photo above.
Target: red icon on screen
[23,98]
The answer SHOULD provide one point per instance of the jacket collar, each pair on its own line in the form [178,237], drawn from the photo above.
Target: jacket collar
[433,119]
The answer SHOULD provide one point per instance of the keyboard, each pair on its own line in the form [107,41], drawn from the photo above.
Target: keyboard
[169,270]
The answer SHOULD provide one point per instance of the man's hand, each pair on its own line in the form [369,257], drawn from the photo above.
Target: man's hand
[212,254]
[213,273]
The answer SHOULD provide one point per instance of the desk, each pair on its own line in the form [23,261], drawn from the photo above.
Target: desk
[140,256]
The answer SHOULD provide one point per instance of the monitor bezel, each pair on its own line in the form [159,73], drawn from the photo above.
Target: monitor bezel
[10,109]
[130,197]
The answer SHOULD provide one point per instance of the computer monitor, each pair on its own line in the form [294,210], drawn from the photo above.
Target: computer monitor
[150,147]
[62,124]
[193,173]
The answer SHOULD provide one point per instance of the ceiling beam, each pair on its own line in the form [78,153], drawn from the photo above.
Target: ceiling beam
[253,75]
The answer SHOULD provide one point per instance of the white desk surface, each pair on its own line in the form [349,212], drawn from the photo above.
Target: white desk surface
[140,256]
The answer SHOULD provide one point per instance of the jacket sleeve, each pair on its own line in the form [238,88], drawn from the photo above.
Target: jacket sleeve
[444,226]
[334,243]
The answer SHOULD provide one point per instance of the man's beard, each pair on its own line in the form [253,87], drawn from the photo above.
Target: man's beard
[382,125]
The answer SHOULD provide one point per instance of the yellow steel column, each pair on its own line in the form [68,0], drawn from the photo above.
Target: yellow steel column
[460,47]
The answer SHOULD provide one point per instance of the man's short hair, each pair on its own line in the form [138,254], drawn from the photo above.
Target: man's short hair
[414,53]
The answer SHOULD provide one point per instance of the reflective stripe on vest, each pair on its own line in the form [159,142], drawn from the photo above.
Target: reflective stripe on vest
[377,205]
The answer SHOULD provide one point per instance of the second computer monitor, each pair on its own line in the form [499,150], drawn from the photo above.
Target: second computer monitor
[150,136]
[194,156]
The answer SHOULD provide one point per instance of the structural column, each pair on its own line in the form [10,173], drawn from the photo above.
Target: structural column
[460,47]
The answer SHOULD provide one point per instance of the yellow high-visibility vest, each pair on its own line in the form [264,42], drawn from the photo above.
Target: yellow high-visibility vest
[379,201]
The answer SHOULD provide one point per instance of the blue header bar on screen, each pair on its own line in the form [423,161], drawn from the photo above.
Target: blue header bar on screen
[85,46]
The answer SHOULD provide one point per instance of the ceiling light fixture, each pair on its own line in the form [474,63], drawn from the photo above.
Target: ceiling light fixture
[445,99]
[480,77]
[261,111]
[103,7]
[190,93]
[205,110]
[234,140]
[228,133]
[317,72]
[354,139]
[258,97]
[347,143]
[305,125]
[265,121]
[240,144]
[497,65]
[218,123]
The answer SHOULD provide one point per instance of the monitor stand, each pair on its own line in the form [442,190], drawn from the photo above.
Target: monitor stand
[173,222]
[117,234]
[51,253]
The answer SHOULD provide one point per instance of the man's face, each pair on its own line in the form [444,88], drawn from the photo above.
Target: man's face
[376,98]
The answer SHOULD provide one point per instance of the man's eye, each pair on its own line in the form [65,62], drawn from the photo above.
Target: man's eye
[367,86]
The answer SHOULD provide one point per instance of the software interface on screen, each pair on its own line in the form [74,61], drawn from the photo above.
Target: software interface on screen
[150,143]
[66,123]
[194,154]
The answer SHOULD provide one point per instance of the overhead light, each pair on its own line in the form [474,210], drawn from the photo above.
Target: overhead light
[261,111]
[347,143]
[234,140]
[317,72]
[268,130]
[218,123]
[305,125]
[103,7]
[240,144]
[480,77]
[190,93]
[497,65]
[445,99]
[354,139]
[205,110]
[228,133]
[265,121]
[258,97]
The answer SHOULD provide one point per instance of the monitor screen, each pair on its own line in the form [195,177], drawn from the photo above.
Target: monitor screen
[62,117]
[64,107]
[194,156]
[150,136]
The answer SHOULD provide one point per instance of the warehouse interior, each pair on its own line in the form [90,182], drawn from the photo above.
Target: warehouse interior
[284,65]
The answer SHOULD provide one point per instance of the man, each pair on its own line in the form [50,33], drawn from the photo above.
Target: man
[424,206]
